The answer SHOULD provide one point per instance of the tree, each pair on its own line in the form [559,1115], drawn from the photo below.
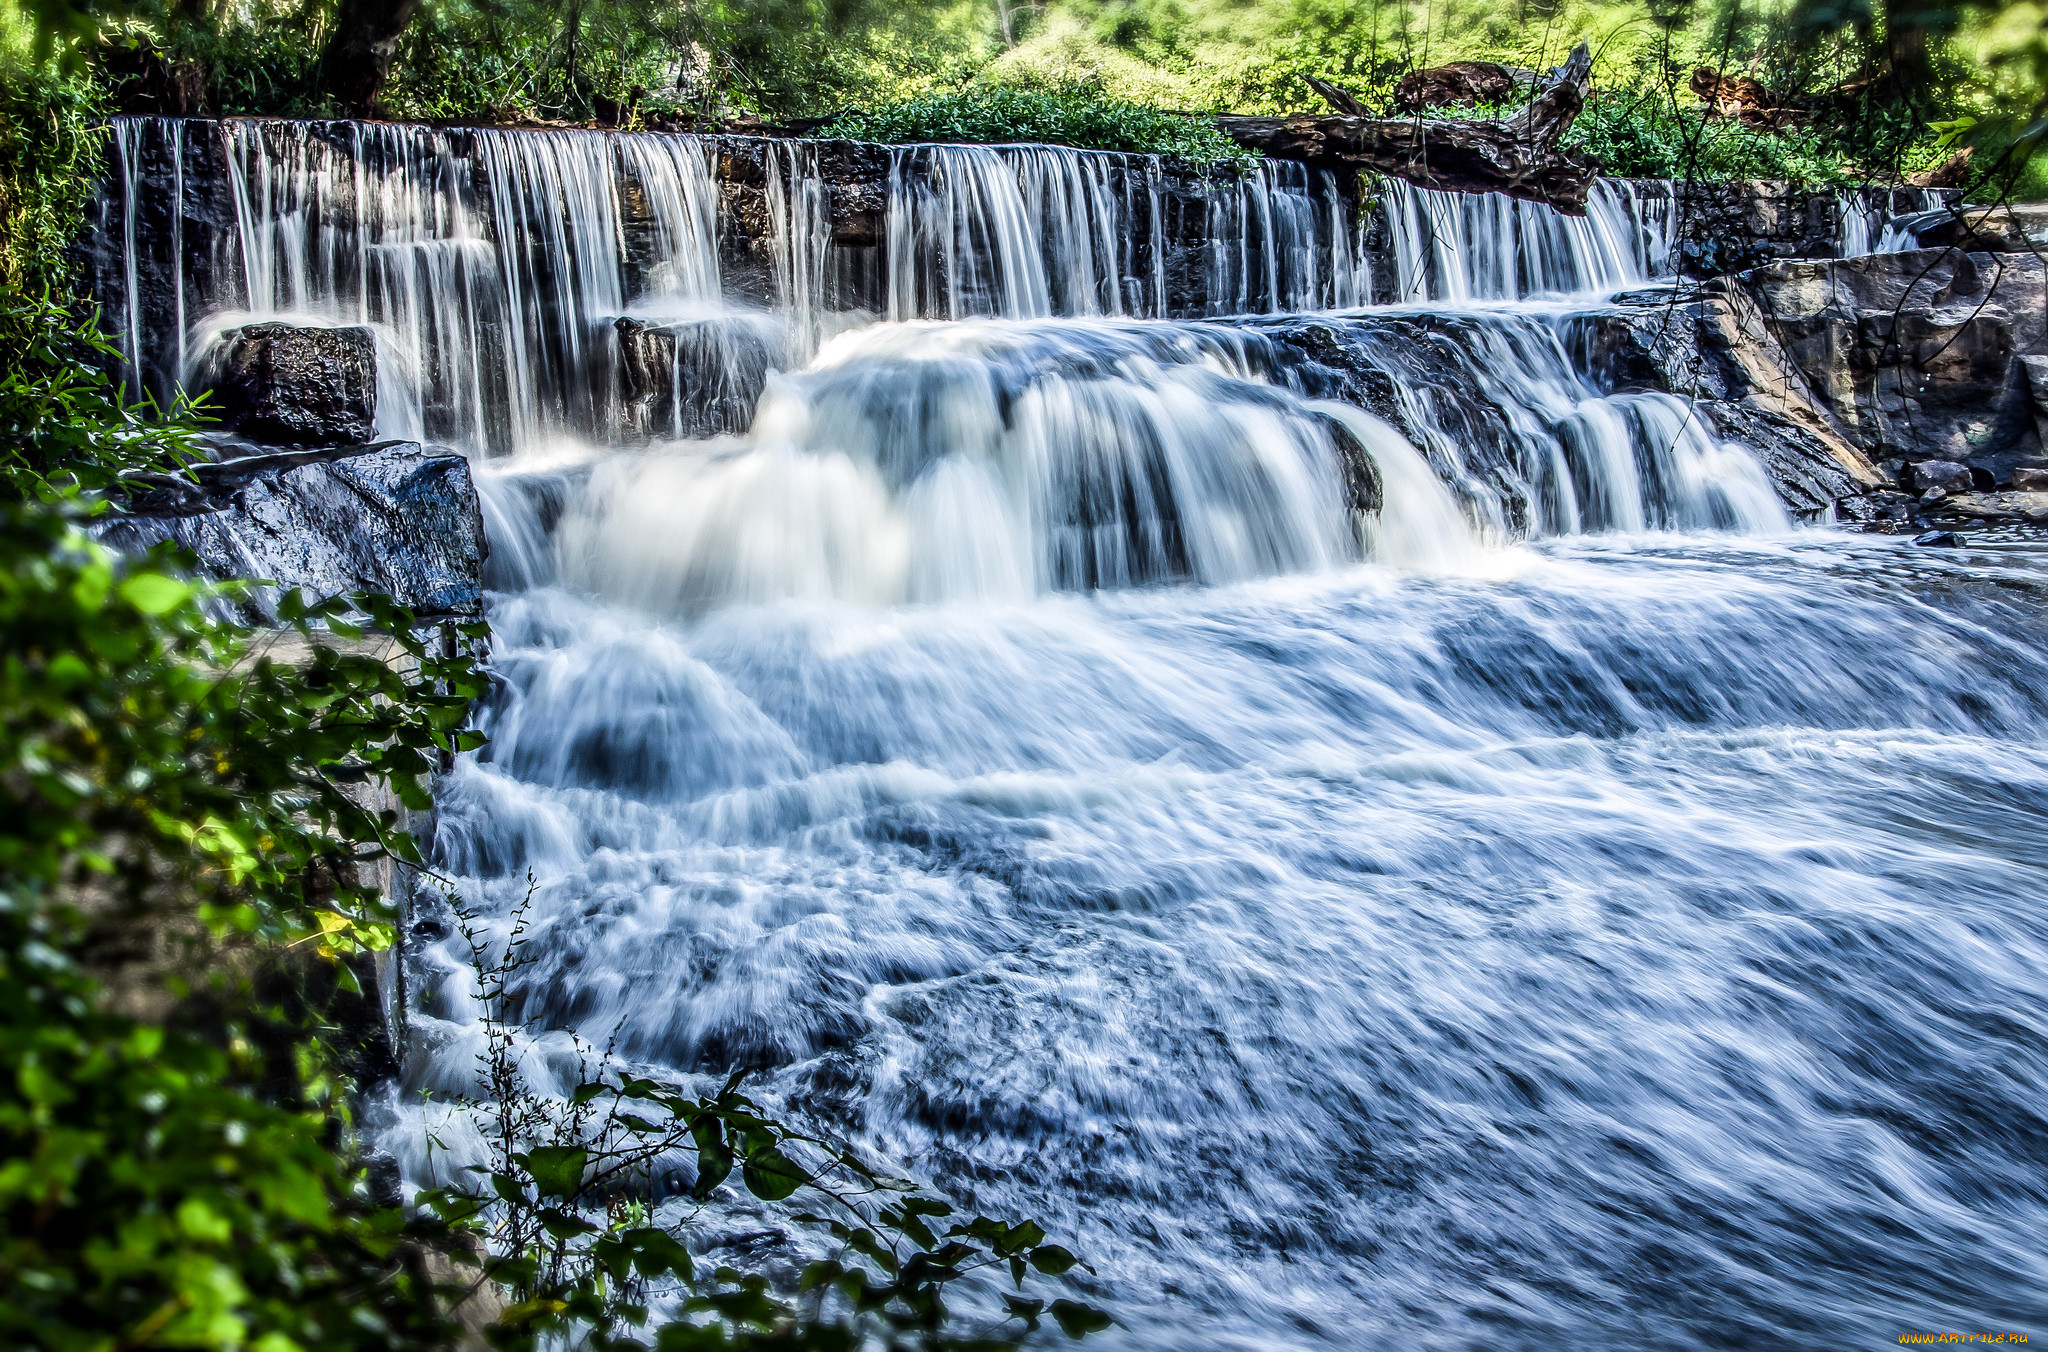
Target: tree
[358,55]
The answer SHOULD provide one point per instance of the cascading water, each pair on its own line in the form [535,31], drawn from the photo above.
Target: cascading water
[1375,838]
[1452,246]
[1882,220]
[496,266]
[1028,232]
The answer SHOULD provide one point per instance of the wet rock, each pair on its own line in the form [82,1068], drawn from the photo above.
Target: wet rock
[1727,227]
[1942,477]
[1712,346]
[698,377]
[1927,355]
[287,385]
[1939,539]
[2030,480]
[387,518]
[2029,507]
[1975,230]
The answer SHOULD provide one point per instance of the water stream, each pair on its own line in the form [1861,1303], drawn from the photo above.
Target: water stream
[1374,838]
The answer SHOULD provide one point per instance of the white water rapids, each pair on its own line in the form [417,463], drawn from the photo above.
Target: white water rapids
[1374,839]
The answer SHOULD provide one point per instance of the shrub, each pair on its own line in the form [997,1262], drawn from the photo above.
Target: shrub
[170,1182]
[1640,134]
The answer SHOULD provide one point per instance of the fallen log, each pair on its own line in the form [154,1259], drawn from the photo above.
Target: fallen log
[1746,101]
[1516,155]
[1461,84]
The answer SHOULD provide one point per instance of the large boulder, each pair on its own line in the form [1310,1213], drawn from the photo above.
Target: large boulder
[1920,355]
[1712,346]
[387,518]
[289,385]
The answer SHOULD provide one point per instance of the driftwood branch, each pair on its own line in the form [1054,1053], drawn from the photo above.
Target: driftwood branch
[1518,155]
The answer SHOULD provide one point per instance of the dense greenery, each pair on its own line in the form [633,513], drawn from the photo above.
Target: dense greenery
[1889,85]
[1072,115]
[1645,135]
[180,815]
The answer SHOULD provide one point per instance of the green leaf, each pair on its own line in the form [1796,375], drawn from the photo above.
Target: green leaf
[1052,1260]
[771,1175]
[1077,1320]
[656,1253]
[562,1225]
[557,1170]
[154,594]
[1024,1309]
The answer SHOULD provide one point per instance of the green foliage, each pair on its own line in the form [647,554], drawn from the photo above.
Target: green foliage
[1642,135]
[164,777]
[583,1248]
[64,425]
[51,130]
[777,58]
[1068,116]
[257,60]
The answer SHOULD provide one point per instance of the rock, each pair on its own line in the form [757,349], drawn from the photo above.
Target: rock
[1928,355]
[1461,84]
[698,377]
[2030,480]
[1939,478]
[1975,230]
[2028,507]
[387,518]
[1939,539]
[2031,380]
[1712,346]
[287,385]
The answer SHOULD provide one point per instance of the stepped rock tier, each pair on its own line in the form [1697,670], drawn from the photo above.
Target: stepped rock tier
[1313,733]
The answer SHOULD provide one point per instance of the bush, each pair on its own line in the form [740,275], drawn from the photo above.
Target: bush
[51,132]
[170,1181]
[1637,134]
[1069,115]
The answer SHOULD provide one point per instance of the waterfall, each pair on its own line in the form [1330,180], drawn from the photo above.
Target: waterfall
[1374,834]
[1883,220]
[1022,232]
[1484,246]
[524,285]
[997,460]
[1281,241]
